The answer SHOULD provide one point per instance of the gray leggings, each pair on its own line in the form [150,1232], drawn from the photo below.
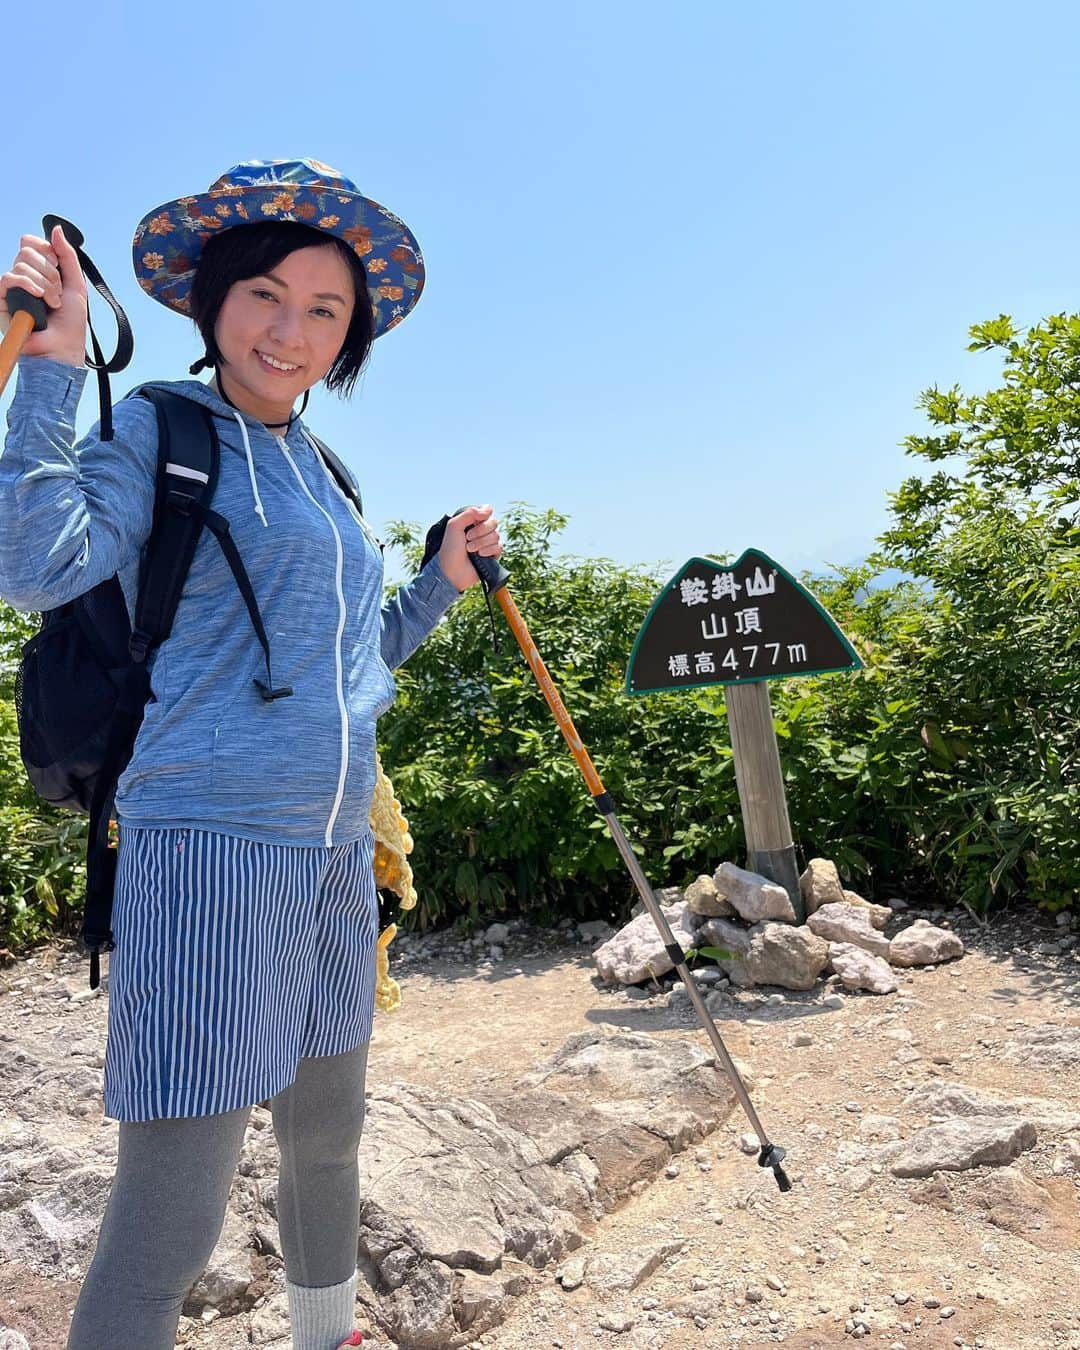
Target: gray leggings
[167,1205]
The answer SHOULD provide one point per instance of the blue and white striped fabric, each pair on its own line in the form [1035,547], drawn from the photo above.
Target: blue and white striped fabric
[234,960]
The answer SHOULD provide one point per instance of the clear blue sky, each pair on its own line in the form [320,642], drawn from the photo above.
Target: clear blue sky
[689,265]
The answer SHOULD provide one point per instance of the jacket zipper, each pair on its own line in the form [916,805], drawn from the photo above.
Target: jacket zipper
[338,491]
[338,579]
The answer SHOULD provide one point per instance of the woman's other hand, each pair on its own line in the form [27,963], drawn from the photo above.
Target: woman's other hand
[49,268]
[474,530]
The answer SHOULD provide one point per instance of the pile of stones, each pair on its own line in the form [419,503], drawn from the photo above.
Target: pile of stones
[749,925]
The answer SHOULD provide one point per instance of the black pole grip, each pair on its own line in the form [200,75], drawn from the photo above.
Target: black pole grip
[490,571]
[18,299]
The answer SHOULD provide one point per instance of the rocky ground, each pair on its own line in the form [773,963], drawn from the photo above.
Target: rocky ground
[674,1238]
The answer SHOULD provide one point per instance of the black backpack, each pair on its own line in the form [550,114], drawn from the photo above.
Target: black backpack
[84,680]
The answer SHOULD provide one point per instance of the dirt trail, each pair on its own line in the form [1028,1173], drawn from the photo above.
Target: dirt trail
[841,1252]
[917,1263]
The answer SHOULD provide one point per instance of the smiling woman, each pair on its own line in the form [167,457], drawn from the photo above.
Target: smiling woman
[276,306]
[244,921]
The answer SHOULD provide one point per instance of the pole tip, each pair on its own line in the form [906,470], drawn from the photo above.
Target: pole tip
[772,1155]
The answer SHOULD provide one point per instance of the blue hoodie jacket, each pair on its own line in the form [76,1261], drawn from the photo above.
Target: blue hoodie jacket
[211,752]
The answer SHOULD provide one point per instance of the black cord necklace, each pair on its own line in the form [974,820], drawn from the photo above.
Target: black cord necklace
[204,363]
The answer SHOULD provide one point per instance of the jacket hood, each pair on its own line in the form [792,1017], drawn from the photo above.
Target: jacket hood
[208,396]
[247,426]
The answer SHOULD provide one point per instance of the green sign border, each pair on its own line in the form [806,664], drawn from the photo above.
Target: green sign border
[856,662]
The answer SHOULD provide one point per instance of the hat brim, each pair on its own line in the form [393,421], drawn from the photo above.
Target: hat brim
[170,239]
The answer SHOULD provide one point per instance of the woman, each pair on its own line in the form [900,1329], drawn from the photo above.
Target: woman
[245,910]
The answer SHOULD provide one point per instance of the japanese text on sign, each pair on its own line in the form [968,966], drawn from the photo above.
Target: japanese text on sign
[724,621]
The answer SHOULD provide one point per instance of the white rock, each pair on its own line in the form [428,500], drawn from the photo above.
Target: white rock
[637,953]
[1047,1044]
[841,922]
[859,969]
[923,944]
[769,953]
[792,958]
[754,897]
[621,1272]
[879,914]
[880,1129]
[270,1320]
[859,1179]
[956,1099]
[957,1145]
[820,885]
[229,1272]
[703,898]
[571,1274]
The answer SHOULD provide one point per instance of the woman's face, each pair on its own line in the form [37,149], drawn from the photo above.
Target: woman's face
[280,333]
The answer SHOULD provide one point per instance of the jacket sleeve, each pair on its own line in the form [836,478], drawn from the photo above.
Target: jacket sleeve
[414,610]
[72,515]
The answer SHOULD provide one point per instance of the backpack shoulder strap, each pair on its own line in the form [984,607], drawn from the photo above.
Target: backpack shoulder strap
[187,473]
[189,457]
[345,480]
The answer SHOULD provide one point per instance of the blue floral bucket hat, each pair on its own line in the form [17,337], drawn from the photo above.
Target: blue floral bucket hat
[169,239]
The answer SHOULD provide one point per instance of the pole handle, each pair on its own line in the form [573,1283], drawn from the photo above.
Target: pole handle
[29,313]
[20,300]
[19,330]
[490,571]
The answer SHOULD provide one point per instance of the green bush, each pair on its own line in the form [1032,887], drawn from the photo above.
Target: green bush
[41,852]
[42,873]
[991,666]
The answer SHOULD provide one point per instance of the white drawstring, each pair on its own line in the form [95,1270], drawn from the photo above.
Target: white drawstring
[251,470]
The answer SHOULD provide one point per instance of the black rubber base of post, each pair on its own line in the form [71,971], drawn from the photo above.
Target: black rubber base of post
[781,867]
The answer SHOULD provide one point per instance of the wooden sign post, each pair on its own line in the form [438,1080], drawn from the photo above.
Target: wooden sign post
[741,626]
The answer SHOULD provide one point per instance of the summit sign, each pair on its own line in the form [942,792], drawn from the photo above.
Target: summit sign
[734,624]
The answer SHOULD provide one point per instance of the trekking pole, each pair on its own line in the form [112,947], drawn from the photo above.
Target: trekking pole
[28,315]
[495,578]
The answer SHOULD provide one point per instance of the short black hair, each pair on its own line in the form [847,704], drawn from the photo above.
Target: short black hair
[246,251]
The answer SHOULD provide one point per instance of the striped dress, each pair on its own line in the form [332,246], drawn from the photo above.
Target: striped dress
[234,960]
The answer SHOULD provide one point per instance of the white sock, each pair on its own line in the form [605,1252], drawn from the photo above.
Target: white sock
[321,1318]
